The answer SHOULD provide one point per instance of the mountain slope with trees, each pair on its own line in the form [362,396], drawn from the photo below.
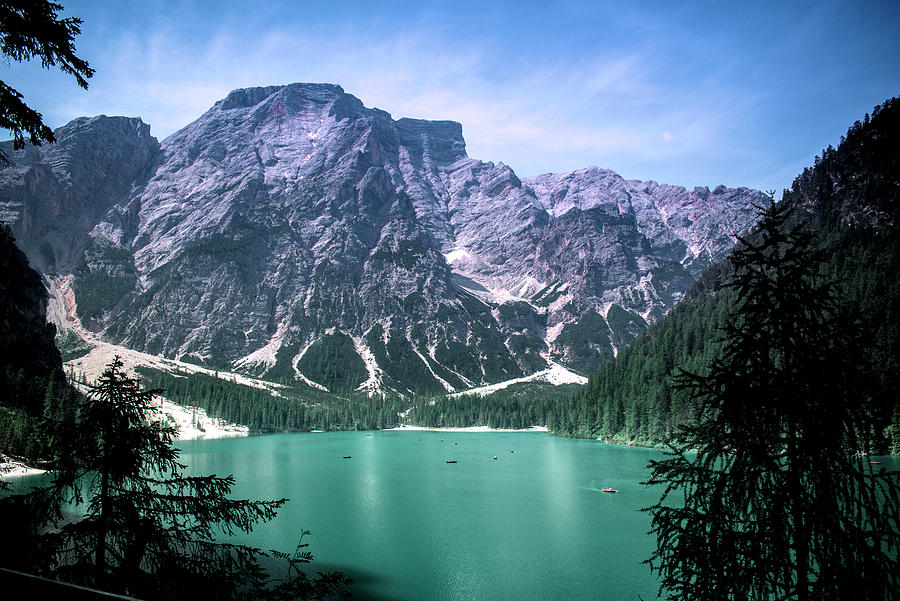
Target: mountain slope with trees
[32,386]
[766,495]
[848,200]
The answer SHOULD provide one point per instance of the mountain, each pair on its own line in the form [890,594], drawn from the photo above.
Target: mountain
[849,200]
[292,232]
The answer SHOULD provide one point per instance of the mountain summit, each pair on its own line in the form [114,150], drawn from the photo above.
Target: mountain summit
[292,232]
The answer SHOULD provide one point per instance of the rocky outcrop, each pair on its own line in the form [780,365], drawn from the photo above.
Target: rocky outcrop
[54,195]
[292,220]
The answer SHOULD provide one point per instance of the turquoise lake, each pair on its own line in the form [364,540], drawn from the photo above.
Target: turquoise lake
[407,526]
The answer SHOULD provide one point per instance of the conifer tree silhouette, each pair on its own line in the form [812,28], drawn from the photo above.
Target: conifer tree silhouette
[767,496]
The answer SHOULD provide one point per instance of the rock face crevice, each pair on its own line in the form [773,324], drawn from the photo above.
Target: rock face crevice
[290,218]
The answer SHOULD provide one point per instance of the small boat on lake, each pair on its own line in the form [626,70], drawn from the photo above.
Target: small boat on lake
[495,456]
[451,461]
[874,463]
[347,456]
[610,490]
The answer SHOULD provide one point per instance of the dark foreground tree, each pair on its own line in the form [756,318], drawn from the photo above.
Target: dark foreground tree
[144,528]
[768,497]
[32,29]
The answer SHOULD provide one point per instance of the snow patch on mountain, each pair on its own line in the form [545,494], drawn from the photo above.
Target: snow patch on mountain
[553,332]
[440,380]
[265,356]
[373,384]
[555,374]
[463,379]
[299,374]
[456,255]
[91,366]
[193,422]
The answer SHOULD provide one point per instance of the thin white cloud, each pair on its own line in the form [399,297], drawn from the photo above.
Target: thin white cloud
[605,103]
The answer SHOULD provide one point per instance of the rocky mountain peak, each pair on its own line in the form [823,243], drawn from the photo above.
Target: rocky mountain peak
[438,143]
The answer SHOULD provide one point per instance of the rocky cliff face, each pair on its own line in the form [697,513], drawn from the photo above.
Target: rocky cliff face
[54,195]
[294,233]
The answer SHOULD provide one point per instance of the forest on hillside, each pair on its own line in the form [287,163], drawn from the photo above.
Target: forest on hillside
[303,409]
[848,201]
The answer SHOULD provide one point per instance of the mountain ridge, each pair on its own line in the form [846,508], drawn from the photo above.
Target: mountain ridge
[290,220]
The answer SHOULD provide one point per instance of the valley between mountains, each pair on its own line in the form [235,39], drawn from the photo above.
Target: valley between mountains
[291,234]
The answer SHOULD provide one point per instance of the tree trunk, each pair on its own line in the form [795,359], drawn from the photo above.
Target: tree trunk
[102,526]
[800,535]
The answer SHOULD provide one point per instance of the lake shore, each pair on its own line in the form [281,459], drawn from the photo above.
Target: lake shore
[194,423]
[412,428]
[11,468]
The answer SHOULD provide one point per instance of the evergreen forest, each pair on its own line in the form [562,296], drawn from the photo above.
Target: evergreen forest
[302,409]
[289,410]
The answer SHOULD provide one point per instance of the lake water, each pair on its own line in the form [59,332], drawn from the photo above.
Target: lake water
[407,526]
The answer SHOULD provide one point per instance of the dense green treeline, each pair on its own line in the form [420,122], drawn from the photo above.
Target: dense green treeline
[262,411]
[631,398]
[31,401]
[303,410]
[849,202]
[852,197]
[508,411]
[766,495]
[870,292]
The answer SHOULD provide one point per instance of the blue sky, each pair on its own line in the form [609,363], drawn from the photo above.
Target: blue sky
[689,93]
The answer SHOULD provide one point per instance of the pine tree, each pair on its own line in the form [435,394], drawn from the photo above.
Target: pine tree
[777,502]
[147,529]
